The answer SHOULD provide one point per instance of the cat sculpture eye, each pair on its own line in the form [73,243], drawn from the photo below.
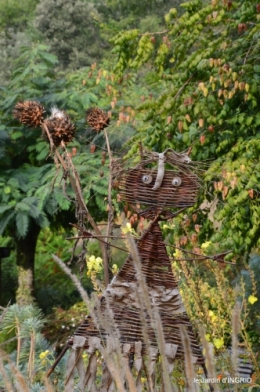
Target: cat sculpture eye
[147,178]
[176,181]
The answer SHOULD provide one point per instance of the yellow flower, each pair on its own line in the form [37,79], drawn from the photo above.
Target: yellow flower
[114,269]
[212,315]
[94,265]
[205,245]
[207,336]
[177,254]
[252,299]
[218,343]
[92,259]
[166,227]
[127,228]
[44,354]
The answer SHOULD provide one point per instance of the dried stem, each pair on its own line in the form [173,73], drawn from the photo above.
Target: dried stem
[74,279]
[235,332]
[109,197]
[75,183]
[19,342]
[210,361]
[19,378]
[189,367]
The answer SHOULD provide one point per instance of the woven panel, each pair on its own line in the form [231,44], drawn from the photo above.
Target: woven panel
[121,295]
[134,190]
[131,315]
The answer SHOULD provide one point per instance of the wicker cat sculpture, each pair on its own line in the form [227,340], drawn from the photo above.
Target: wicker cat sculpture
[129,320]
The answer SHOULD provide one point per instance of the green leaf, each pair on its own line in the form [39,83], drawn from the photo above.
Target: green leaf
[22,207]
[42,221]
[50,58]
[7,190]
[4,208]
[3,134]
[5,220]
[22,223]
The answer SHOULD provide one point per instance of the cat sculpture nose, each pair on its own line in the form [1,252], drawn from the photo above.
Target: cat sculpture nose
[160,172]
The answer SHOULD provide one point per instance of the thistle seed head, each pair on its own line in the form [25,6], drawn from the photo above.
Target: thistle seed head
[97,119]
[60,127]
[29,113]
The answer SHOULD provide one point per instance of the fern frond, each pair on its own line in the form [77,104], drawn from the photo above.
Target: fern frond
[6,218]
[22,223]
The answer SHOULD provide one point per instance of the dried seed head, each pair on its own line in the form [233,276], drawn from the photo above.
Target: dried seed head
[60,127]
[97,119]
[29,113]
[57,113]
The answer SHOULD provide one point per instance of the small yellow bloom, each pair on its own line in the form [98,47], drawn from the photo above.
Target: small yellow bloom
[44,354]
[218,343]
[212,315]
[114,269]
[207,336]
[205,245]
[252,299]
[127,228]
[177,254]
[166,227]
[181,382]
[94,265]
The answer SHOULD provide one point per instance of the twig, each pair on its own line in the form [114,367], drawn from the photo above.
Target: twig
[4,311]
[182,87]
[247,53]
[74,279]
[110,205]
[57,360]
[156,33]
[75,183]
[200,257]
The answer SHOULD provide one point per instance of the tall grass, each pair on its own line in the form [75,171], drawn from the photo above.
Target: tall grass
[25,368]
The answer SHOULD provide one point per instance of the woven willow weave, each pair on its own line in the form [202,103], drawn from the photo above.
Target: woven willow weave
[129,320]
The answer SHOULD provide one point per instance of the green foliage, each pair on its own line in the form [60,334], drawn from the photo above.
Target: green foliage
[132,12]
[61,323]
[29,192]
[22,199]
[249,277]
[15,13]
[206,98]
[71,30]
[20,321]
[52,286]
[33,354]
